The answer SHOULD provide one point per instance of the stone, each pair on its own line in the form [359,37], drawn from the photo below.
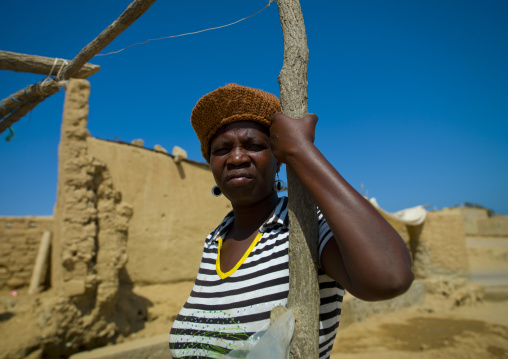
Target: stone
[159,148]
[179,154]
[138,142]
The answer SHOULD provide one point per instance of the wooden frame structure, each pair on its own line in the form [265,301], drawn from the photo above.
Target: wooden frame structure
[17,105]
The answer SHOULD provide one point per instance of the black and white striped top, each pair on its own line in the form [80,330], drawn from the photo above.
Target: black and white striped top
[225,309]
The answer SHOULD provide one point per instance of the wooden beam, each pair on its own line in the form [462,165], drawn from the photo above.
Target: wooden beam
[303,298]
[18,115]
[13,61]
[131,14]
[28,95]
[11,114]
[14,107]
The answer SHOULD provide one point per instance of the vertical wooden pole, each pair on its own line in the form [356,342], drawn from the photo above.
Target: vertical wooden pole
[303,297]
[41,263]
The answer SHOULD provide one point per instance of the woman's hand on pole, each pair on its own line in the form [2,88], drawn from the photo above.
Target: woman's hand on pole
[288,135]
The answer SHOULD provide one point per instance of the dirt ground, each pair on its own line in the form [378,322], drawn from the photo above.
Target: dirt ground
[440,329]
[437,329]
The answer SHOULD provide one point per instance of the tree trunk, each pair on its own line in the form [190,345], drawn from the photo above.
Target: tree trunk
[303,297]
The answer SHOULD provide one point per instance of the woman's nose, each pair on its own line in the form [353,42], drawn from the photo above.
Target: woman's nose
[238,156]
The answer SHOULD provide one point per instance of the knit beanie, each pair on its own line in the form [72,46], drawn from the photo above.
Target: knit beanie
[229,104]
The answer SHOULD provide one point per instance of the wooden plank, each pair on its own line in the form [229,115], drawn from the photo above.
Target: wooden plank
[13,61]
[131,14]
[303,298]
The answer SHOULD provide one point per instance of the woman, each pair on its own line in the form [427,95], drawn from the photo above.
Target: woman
[244,268]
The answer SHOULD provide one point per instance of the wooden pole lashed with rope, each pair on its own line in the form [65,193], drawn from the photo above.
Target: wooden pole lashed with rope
[14,107]
[15,111]
[303,298]
[131,14]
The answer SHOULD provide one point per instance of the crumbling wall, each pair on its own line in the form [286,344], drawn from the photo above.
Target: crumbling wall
[174,210]
[492,226]
[90,244]
[478,223]
[19,243]
[439,246]
[440,258]
[470,217]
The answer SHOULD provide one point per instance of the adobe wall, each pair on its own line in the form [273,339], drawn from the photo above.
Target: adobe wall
[89,242]
[19,243]
[492,226]
[478,223]
[173,210]
[439,246]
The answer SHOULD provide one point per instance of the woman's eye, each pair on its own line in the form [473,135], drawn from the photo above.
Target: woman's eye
[255,147]
[220,151]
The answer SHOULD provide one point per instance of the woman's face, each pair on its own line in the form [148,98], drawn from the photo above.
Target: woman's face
[242,162]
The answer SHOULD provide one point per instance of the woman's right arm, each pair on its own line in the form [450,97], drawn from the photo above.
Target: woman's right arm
[366,255]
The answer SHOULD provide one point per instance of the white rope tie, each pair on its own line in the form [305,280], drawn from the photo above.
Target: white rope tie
[64,63]
[51,71]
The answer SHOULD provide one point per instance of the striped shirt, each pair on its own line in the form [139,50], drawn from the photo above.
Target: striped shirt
[225,309]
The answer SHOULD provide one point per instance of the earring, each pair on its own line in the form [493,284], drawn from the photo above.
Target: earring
[279,184]
[216,191]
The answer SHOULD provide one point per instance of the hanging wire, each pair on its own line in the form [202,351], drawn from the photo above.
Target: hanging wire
[188,33]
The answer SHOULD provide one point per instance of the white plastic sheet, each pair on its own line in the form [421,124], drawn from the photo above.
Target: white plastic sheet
[413,216]
[271,344]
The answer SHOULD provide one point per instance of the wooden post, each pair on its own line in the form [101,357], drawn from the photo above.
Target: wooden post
[303,297]
[41,262]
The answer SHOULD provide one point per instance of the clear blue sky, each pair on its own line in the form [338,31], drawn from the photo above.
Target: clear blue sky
[412,96]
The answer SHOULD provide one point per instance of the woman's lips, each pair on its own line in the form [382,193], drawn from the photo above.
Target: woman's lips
[238,178]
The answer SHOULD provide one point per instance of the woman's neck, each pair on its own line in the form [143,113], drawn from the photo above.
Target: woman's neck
[248,218]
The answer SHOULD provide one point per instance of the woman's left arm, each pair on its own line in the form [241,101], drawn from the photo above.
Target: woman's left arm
[367,256]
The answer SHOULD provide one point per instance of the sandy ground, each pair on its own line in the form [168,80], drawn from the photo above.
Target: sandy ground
[438,329]
[431,331]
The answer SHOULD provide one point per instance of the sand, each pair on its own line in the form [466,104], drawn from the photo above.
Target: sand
[437,329]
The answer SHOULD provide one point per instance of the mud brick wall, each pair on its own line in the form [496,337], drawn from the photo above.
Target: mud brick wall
[493,226]
[439,246]
[19,243]
[478,223]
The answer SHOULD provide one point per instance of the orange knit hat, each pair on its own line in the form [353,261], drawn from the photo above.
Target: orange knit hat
[229,104]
